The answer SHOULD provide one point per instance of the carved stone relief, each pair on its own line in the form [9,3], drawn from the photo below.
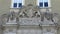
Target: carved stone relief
[30,13]
[48,16]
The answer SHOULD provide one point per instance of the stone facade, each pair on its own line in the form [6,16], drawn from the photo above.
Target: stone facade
[28,19]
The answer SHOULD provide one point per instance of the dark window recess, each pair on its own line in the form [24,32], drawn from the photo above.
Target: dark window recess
[15,5]
[41,4]
[46,4]
[20,5]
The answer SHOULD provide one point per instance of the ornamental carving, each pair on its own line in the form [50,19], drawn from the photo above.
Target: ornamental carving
[30,13]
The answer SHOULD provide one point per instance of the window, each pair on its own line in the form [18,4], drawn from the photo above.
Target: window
[16,3]
[19,4]
[44,3]
[41,4]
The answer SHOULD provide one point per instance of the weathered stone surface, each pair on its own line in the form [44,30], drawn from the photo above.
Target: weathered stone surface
[34,21]
[28,17]
[30,31]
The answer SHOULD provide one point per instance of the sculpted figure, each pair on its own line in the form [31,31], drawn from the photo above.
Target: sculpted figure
[48,15]
[42,16]
[5,17]
[17,19]
[23,14]
[12,15]
[35,14]
[8,17]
